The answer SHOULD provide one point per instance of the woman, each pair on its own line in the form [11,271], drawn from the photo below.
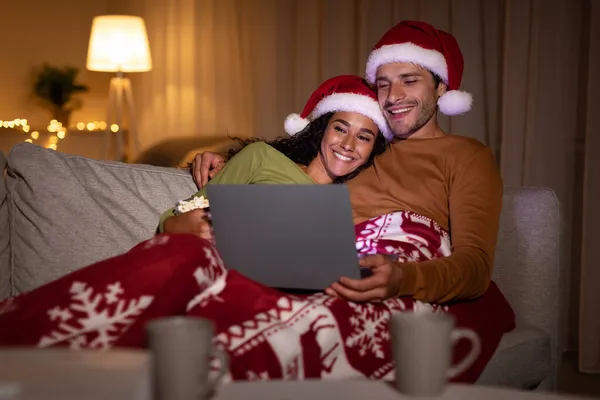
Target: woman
[340,131]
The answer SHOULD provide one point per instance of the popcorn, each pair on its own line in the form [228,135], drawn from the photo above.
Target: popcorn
[196,202]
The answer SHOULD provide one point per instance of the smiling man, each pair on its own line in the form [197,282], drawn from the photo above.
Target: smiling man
[451,180]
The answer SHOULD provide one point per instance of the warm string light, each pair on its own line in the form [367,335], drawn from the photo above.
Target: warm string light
[96,126]
[59,133]
[56,128]
[17,123]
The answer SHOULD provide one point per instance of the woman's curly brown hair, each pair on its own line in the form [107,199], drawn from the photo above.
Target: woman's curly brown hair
[303,147]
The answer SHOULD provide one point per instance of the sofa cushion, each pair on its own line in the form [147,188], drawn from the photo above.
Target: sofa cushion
[4,235]
[522,360]
[91,210]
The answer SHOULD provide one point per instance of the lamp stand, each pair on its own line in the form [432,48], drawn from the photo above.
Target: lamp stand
[120,87]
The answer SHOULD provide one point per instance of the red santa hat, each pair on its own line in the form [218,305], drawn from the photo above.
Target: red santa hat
[420,43]
[348,93]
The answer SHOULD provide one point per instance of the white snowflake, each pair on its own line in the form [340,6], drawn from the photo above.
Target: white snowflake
[420,307]
[370,326]
[215,266]
[211,280]
[58,313]
[113,292]
[261,376]
[105,314]
[78,342]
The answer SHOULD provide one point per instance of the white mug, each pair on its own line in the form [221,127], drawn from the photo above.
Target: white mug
[181,348]
[422,344]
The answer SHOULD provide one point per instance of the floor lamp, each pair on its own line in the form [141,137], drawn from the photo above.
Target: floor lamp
[119,43]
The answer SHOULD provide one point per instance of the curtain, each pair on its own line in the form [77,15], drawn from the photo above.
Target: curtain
[239,67]
[200,84]
[589,329]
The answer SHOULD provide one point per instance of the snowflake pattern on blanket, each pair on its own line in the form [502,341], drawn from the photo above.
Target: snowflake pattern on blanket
[104,315]
[267,334]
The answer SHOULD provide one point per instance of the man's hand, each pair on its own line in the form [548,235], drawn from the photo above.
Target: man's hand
[193,222]
[205,166]
[382,284]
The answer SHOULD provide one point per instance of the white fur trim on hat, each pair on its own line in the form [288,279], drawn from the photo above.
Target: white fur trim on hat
[294,123]
[353,102]
[432,60]
[455,102]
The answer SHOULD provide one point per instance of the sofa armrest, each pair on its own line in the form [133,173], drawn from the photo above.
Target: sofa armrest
[528,265]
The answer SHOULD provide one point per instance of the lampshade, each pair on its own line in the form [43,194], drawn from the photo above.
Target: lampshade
[118,43]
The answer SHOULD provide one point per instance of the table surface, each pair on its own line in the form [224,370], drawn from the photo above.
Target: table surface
[68,374]
[363,389]
[125,374]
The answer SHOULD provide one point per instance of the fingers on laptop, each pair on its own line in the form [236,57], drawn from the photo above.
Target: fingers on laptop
[341,291]
[372,288]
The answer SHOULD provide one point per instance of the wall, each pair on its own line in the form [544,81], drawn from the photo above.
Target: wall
[36,31]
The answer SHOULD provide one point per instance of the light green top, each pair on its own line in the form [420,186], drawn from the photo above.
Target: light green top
[257,163]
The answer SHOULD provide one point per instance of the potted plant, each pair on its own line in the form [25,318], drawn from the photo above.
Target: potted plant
[56,88]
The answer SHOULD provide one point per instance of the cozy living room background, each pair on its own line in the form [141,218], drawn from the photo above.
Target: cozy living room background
[238,67]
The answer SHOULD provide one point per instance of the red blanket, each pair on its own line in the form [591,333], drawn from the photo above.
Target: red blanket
[268,334]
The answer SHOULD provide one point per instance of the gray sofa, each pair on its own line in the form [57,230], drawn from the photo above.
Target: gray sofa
[60,212]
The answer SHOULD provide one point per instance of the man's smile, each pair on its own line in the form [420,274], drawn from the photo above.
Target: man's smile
[399,112]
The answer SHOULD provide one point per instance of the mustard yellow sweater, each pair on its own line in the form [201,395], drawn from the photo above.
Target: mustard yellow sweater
[453,180]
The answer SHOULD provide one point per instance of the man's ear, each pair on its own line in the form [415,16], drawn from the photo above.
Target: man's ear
[441,89]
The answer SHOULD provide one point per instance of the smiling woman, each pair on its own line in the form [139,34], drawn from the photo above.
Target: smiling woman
[339,133]
[333,148]
[347,145]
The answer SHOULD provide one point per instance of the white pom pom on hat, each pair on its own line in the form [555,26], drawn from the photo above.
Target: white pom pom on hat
[294,123]
[455,102]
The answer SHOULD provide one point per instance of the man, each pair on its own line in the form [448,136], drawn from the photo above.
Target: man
[453,180]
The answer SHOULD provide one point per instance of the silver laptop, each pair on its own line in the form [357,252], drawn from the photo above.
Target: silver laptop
[290,237]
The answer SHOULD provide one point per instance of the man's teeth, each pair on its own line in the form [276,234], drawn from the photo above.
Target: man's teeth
[341,157]
[401,110]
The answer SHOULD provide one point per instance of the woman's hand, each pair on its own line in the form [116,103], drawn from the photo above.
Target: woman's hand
[194,222]
[205,166]
[382,284]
